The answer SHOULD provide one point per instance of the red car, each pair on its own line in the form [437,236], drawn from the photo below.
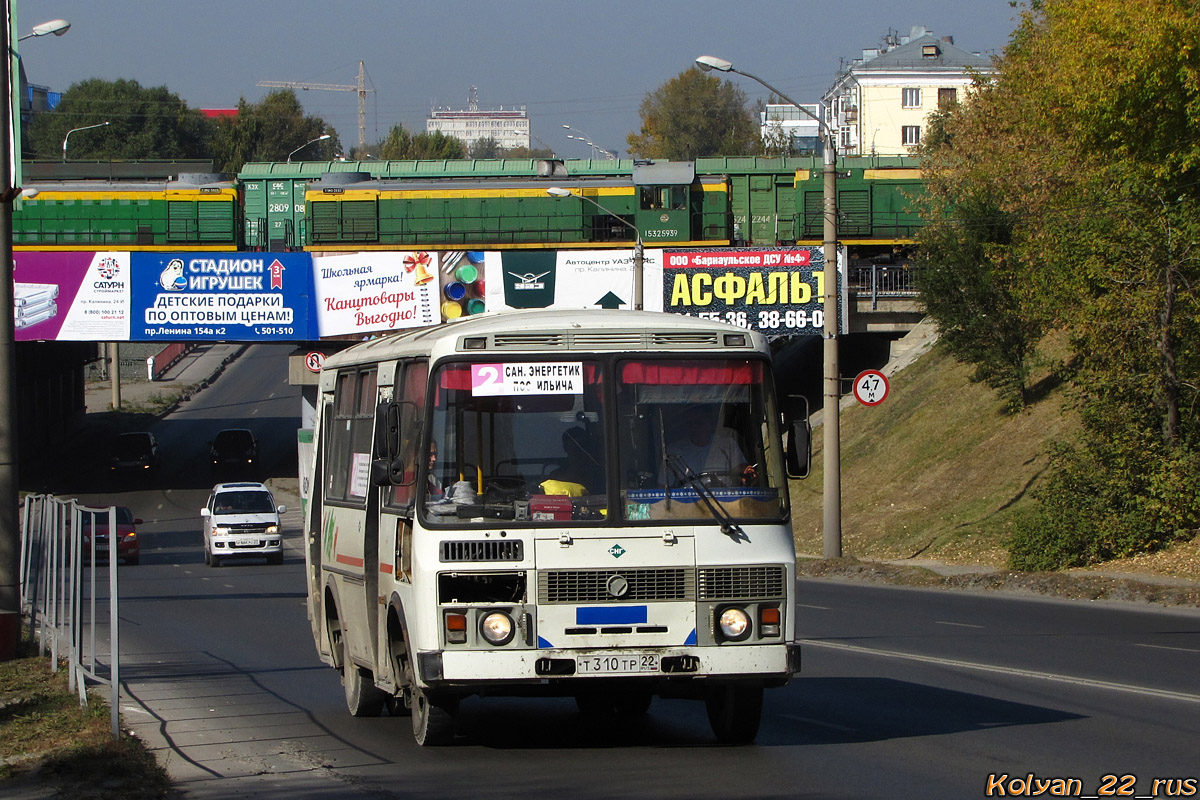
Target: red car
[128,549]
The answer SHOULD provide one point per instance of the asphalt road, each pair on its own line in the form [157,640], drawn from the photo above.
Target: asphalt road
[904,693]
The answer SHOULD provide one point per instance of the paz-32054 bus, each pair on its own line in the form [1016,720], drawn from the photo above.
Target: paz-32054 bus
[589,504]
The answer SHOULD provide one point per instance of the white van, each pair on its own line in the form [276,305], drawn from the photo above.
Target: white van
[241,520]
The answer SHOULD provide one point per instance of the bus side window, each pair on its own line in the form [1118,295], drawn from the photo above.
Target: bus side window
[411,391]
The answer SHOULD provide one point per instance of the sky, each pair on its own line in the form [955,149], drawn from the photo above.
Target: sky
[588,65]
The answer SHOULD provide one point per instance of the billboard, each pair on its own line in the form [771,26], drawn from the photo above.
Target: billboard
[569,279]
[775,292]
[374,292]
[71,296]
[146,296]
[219,296]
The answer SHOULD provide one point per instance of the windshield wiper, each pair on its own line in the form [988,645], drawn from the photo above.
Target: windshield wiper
[715,507]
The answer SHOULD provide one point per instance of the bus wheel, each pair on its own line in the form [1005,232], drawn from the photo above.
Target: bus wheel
[433,718]
[362,697]
[734,712]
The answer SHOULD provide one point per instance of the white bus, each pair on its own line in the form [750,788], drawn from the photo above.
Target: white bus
[589,504]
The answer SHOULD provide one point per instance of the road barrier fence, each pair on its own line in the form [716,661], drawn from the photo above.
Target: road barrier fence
[64,598]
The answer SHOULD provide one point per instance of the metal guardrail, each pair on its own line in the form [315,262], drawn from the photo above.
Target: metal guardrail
[60,595]
[883,281]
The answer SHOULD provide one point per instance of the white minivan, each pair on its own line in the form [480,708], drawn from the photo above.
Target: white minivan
[241,520]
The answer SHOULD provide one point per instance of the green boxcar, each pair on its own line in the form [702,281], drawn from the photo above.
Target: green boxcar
[721,201]
[194,213]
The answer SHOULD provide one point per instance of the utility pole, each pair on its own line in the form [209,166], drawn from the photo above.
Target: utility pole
[360,87]
[10,535]
[831,495]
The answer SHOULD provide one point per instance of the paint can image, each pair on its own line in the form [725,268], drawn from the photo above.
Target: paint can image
[467,273]
[452,310]
[476,306]
[454,291]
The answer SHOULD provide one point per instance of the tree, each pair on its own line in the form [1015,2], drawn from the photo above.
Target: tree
[694,115]
[268,131]
[485,148]
[142,123]
[1085,155]
[401,145]
[397,145]
[437,146]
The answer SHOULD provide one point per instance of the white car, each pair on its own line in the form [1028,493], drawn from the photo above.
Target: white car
[241,520]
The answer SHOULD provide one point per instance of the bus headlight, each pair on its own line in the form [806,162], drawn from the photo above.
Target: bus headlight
[734,624]
[497,627]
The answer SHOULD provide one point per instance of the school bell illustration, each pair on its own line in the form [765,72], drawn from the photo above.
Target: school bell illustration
[418,264]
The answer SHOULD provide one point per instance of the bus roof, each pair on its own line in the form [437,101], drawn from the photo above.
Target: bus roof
[558,330]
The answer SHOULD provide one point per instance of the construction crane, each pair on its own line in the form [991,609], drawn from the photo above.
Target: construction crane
[360,87]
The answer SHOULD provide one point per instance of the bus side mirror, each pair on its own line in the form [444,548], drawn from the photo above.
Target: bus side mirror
[387,430]
[388,472]
[388,467]
[799,448]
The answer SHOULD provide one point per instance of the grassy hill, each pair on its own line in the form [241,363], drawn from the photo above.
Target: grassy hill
[935,471]
[939,470]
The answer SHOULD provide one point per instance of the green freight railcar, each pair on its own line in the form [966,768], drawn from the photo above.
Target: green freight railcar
[878,202]
[275,213]
[195,212]
[663,203]
[717,201]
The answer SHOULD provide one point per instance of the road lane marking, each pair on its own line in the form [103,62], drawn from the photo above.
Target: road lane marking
[956,624]
[1013,671]
[805,605]
[1166,647]
[820,723]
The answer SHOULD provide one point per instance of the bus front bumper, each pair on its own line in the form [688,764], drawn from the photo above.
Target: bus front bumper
[769,664]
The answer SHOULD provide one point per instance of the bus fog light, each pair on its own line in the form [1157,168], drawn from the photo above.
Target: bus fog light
[734,624]
[497,627]
[456,628]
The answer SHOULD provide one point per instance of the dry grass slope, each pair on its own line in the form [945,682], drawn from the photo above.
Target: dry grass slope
[939,470]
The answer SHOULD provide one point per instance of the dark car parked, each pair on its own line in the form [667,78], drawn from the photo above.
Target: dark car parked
[234,450]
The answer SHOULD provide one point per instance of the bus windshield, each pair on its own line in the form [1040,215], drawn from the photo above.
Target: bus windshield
[603,441]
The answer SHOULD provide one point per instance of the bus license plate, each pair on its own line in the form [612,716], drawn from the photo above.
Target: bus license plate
[615,664]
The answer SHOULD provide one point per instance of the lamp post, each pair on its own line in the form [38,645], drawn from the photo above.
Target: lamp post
[74,130]
[320,138]
[10,591]
[832,453]
[55,26]
[639,251]
[583,137]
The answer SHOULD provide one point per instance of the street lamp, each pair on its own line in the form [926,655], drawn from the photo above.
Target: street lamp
[73,130]
[10,593]
[583,137]
[55,26]
[320,138]
[832,455]
[639,252]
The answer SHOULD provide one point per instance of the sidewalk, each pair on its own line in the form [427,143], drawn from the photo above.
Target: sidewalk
[194,371]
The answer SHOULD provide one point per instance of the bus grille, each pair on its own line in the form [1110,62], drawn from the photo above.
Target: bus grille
[512,550]
[721,583]
[592,586]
